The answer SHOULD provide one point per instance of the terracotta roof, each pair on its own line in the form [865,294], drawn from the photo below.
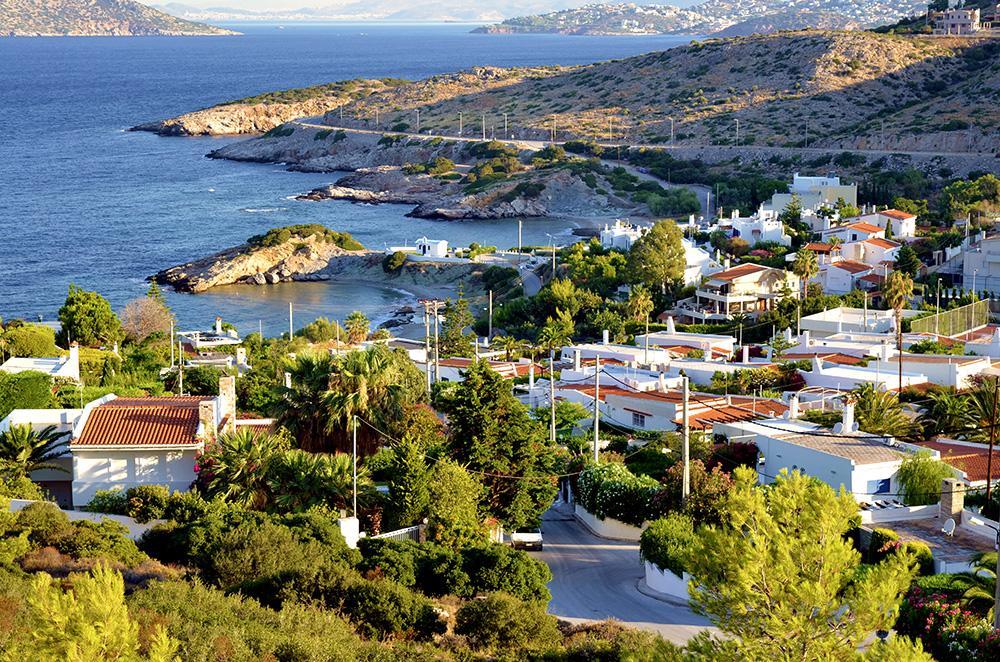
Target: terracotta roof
[142,422]
[875,279]
[971,460]
[865,227]
[834,357]
[819,247]
[853,266]
[882,242]
[739,272]
[896,214]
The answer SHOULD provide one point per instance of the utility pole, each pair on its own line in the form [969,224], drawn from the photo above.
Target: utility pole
[460,127]
[437,346]
[646,352]
[937,306]
[737,133]
[611,133]
[993,434]
[597,407]
[418,121]
[376,118]
[354,461]
[427,346]
[552,395]
[519,224]
[180,369]
[291,332]
[671,131]
[484,128]
[172,343]
[686,485]
[489,333]
[506,133]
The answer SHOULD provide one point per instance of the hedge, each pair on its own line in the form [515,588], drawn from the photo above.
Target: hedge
[611,490]
[665,542]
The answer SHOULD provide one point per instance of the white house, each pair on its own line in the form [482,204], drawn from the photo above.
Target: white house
[850,320]
[762,226]
[874,252]
[904,225]
[197,341]
[432,247]
[814,193]
[865,465]
[957,22]
[621,235]
[945,370]
[848,378]
[981,264]
[747,288]
[842,276]
[857,231]
[63,367]
[713,345]
[699,263]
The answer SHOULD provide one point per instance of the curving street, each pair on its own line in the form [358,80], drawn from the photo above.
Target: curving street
[595,579]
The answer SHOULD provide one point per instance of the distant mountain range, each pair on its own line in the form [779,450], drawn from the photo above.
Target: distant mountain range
[713,17]
[387,10]
[33,18]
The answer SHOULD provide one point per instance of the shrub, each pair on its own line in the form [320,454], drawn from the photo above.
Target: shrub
[184,507]
[106,539]
[665,542]
[393,262]
[923,556]
[611,490]
[492,568]
[380,608]
[44,523]
[32,340]
[146,502]
[246,553]
[394,560]
[24,390]
[502,621]
[111,502]
[883,543]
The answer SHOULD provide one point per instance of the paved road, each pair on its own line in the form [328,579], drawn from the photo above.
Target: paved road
[594,579]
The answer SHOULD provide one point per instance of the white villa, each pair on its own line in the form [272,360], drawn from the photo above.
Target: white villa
[747,288]
[63,367]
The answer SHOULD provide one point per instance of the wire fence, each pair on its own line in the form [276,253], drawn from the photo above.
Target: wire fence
[956,321]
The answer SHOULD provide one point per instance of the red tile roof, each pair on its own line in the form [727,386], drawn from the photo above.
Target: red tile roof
[861,226]
[971,460]
[142,422]
[896,214]
[835,357]
[739,272]
[853,266]
[882,242]
[819,247]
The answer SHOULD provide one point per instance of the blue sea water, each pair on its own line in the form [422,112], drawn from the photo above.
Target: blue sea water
[83,201]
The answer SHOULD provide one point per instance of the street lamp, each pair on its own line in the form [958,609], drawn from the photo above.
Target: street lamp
[553,240]
[974,272]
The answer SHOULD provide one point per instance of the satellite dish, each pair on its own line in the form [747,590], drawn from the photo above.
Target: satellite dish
[838,428]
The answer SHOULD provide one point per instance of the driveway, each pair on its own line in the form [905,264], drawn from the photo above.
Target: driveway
[594,579]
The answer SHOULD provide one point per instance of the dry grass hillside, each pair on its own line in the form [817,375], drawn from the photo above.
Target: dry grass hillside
[786,89]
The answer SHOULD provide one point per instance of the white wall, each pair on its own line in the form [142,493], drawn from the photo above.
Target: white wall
[957,374]
[608,528]
[666,582]
[95,470]
[135,529]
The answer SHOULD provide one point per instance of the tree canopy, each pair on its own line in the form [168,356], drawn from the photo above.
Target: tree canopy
[658,257]
[88,319]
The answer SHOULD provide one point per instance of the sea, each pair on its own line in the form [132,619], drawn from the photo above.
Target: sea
[84,201]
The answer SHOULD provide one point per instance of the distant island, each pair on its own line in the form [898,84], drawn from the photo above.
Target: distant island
[85,18]
[711,17]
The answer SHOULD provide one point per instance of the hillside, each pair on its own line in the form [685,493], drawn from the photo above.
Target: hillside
[712,17]
[32,18]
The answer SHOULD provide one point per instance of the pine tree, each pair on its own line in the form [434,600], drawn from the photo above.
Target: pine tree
[410,483]
[658,257]
[458,317]
[907,261]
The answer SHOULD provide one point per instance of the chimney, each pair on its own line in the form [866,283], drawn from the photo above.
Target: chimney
[847,421]
[531,375]
[793,406]
[662,383]
[576,360]
[806,340]
[227,403]
[788,334]
[746,353]
[606,337]
[218,325]
[207,419]
[672,327]
[241,356]
[952,500]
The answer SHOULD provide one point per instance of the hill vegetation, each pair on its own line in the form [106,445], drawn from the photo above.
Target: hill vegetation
[31,18]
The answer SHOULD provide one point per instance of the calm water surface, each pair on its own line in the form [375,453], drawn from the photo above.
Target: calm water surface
[83,201]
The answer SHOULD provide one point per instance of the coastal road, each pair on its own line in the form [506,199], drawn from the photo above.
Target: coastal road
[594,579]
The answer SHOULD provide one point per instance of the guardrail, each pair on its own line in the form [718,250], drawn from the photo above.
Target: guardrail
[414,533]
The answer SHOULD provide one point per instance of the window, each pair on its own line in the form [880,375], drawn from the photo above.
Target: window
[638,420]
[880,486]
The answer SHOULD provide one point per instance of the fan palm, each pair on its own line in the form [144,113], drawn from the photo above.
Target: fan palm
[299,481]
[948,413]
[982,408]
[805,267]
[366,384]
[879,412]
[981,594]
[26,450]
[235,467]
[897,291]
[510,345]
[357,326]
[300,407]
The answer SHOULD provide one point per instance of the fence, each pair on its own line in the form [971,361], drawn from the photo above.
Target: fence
[954,322]
[415,533]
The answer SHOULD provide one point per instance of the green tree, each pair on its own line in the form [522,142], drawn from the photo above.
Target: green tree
[300,407]
[920,476]
[357,326]
[896,292]
[781,578]
[90,621]
[235,467]
[457,318]
[657,258]
[880,412]
[86,317]
[25,450]
[805,267]
[409,483]
[947,413]
[510,346]
[492,432]
[298,480]
[907,261]
[454,498]
[24,390]
[32,340]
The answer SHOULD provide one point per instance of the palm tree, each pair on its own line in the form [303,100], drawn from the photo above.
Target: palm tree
[983,577]
[948,413]
[983,409]
[300,407]
[26,450]
[510,345]
[366,384]
[805,267]
[357,327]
[236,465]
[897,291]
[639,306]
[879,412]
[299,481]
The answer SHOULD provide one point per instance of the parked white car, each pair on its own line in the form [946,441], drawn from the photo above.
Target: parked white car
[529,538]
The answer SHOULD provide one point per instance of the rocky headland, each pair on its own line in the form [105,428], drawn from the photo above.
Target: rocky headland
[88,18]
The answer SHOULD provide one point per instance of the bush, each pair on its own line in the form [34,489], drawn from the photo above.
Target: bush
[146,502]
[24,390]
[184,507]
[665,542]
[32,340]
[44,523]
[498,568]
[110,502]
[611,490]
[106,539]
[393,262]
[502,621]
[380,608]
[883,543]
[923,556]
